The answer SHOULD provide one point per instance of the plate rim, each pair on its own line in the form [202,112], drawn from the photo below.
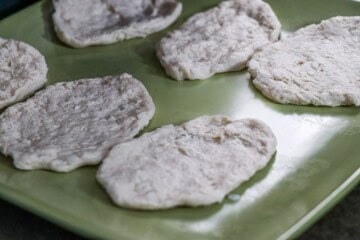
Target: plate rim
[66,221]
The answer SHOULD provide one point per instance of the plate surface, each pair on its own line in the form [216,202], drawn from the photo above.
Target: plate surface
[317,162]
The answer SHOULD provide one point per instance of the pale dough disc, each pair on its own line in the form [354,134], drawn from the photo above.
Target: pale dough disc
[81,23]
[318,65]
[71,124]
[193,164]
[22,71]
[221,39]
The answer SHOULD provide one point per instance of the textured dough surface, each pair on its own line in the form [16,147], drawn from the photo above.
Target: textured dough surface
[193,164]
[221,39]
[317,65]
[81,23]
[71,124]
[22,71]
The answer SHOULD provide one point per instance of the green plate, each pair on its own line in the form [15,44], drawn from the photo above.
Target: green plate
[317,162]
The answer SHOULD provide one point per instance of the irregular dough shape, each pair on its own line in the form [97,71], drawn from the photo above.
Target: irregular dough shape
[71,124]
[221,39]
[193,164]
[22,71]
[81,23]
[318,65]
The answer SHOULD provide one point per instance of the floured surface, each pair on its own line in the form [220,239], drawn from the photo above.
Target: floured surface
[81,23]
[72,124]
[221,39]
[318,65]
[22,71]
[193,164]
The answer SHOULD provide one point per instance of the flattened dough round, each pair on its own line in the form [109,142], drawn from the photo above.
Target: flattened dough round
[22,71]
[81,23]
[193,164]
[317,65]
[221,39]
[71,124]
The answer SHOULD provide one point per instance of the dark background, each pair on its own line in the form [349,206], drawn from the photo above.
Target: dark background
[343,222]
[9,6]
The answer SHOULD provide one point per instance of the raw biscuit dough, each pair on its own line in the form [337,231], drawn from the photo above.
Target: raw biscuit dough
[22,71]
[221,39]
[194,164]
[71,124]
[318,65]
[81,23]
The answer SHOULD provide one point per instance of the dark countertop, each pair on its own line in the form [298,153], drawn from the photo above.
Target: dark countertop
[342,222]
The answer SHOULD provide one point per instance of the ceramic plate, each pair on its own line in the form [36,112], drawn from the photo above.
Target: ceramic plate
[317,160]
